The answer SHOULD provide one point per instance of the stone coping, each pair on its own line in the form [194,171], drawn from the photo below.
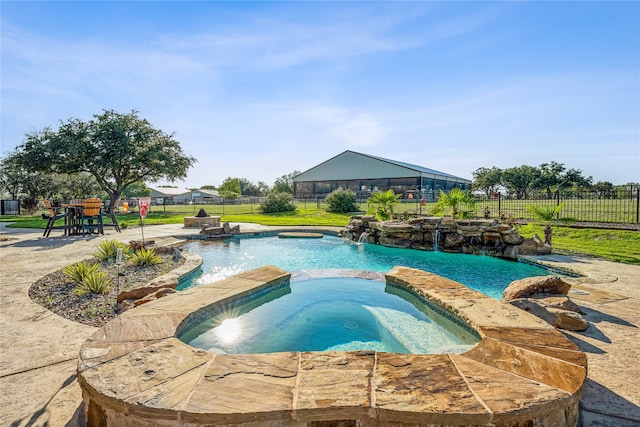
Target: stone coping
[136,372]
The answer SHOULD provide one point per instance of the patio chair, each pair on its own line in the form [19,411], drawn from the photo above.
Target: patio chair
[53,215]
[91,218]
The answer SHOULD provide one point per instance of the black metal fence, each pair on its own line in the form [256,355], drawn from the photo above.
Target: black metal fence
[578,206]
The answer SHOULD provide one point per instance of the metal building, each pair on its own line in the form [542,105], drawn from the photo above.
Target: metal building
[365,174]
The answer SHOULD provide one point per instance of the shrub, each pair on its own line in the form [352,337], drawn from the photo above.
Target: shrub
[80,270]
[383,203]
[342,201]
[457,200]
[108,250]
[144,257]
[97,282]
[545,213]
[278,202]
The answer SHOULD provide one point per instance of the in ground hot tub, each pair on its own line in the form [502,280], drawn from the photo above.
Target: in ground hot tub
[135,371]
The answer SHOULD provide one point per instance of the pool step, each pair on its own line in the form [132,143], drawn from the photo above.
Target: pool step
[417,336]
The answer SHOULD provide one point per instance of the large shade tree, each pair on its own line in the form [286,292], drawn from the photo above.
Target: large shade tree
[487,180]
[117,149]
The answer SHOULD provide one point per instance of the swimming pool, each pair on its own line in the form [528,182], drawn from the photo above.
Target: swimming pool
[224,259]
[331,314]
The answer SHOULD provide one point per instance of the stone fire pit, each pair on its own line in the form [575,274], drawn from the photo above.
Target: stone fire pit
[199,222]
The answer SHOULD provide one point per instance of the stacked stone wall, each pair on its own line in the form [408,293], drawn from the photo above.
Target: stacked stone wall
[475,236]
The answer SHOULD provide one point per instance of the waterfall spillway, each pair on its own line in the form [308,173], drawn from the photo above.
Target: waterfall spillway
[363,238]
[436,240]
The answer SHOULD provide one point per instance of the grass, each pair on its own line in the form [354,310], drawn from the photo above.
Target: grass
[613,245]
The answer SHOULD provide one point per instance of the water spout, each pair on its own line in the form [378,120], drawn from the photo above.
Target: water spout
[436,241]
[363,238]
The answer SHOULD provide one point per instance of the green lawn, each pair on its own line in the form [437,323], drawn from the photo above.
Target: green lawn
[614,245]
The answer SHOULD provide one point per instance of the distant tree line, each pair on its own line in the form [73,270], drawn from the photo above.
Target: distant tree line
[112,156]
[550,180]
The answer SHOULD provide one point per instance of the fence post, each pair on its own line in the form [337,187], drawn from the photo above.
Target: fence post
[637,205]
[499,204]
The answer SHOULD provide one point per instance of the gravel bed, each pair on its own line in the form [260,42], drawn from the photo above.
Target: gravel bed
[56,291]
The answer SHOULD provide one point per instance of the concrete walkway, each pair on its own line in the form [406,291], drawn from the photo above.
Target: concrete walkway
[39,350]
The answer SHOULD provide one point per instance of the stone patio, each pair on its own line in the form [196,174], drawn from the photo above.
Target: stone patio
[39,350]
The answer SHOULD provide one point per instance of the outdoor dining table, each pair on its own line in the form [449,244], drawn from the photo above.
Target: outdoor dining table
[73,220]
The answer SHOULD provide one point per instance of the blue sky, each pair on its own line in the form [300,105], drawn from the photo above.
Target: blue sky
[259,89]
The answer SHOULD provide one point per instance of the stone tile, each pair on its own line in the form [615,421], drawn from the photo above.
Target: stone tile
[338,383]
[548,342]
[166,399]
[502,391]
[133,327]
[425,390]
[418,278]
[488,312]
[444,294]
[266,274]
[259,386]
[134,373]
[94,353]
[529,364]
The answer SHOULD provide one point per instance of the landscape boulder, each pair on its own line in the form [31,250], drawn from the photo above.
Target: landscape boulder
[165,281]
[535,285]
[562,319]
[546,297]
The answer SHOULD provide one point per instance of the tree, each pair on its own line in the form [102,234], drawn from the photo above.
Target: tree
[520,180]
[75,186]
[284,184]
[230,188]
[11,177]
[554,177]
[604,190]
[117,149]
[487,180]
[455,201]
[384,203]
[137,189]
[248,188]
[28,187]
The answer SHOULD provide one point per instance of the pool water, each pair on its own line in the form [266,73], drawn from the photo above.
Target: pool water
[331,314]
[225,259]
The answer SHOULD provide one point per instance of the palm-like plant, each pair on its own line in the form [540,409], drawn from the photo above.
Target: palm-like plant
[455,200]
[546,214]
[383,204]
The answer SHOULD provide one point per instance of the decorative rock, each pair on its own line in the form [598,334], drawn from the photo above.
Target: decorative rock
[559,302]
[478,236]
[511,238]
[535,285]
[569,320]
[212,231]
[136,245]
[166,281]
[544,250]
[453,240]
